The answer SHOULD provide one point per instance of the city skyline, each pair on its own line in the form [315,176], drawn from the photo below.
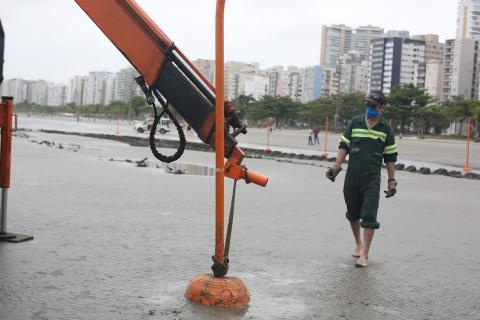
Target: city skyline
[58,44]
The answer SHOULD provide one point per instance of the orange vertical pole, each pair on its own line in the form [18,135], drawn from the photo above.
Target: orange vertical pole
[467,164]
[117,131]
[6,141]
[6,110]
[267,148]
[325,153]
[6,113]
[219,132]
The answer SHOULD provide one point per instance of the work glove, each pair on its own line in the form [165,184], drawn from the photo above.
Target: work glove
[392,188]
[333,171]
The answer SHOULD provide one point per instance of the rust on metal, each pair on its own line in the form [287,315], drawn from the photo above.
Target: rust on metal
[6,111]
[226,292]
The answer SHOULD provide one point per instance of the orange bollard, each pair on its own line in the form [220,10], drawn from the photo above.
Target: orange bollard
[325,153]
[6,141]
[6,114]
[467,168]
[207,289]
[267,148]
[117,130]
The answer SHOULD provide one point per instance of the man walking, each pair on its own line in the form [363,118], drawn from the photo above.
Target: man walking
[368,139]
[316,132]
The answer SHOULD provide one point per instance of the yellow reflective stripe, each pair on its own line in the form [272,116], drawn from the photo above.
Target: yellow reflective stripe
[374,132]
[390,149]
[393,146]
[345,140]
[367,135]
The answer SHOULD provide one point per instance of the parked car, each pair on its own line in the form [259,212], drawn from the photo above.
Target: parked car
[162,127]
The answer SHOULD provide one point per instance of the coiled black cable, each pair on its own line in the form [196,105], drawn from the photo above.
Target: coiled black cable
[153,131]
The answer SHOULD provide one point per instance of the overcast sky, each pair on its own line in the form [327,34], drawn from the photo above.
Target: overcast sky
[55,40]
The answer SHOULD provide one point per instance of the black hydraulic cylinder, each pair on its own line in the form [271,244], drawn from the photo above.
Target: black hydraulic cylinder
[185,96]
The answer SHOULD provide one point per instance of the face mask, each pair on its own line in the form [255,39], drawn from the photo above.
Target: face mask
[371,112]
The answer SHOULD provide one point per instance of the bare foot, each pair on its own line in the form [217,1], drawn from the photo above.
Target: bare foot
[357,252]
[362,262]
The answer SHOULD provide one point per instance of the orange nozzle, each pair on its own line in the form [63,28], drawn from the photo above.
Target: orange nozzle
[256,178]
[235,171]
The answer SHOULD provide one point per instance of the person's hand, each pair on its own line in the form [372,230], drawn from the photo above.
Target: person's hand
[333,171]
[392,188]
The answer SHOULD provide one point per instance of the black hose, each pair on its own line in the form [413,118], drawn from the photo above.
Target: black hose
[153,131]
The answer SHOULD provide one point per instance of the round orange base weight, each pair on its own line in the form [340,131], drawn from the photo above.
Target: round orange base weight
[226,292]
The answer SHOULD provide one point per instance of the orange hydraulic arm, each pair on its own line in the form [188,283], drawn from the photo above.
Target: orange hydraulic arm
[167,72]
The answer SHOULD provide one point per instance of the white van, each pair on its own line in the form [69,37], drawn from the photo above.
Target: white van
[162,127]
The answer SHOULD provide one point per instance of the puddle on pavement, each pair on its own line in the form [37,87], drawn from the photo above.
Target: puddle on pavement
[190,169]
[171,168]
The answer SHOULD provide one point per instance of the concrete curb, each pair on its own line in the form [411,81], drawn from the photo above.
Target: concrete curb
[260,153]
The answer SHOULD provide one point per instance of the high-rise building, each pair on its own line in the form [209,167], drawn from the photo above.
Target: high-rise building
[232,76]
[277,85]
[336,41]
[252,84]
[461,69]
[16,88]
[312,83]
[125,85]
[330,81]
[295,83]
[398,34]
[75,89]
[95,88]
[396,61]
[448,57]
[433,78]
[207,68]
[433,47]
[40,92]
[434,54]
[56,95]
[362,38]
[353,77]
[468,19]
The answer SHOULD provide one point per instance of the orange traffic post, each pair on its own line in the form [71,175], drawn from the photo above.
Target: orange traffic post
[325,153]
[467,168]
[117,130]
[267,148]
[6,115]
[208,289]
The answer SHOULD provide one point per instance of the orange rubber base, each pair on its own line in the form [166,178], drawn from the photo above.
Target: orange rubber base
[226,292]
[268,150]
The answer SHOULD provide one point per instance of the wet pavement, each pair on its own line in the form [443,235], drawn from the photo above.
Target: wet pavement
[118,241]
[432,153]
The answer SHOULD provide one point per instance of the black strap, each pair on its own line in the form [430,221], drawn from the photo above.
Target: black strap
[221,269]
[153,131]
[230,220]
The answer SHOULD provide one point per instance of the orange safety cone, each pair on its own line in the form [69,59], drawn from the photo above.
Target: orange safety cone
[207,289]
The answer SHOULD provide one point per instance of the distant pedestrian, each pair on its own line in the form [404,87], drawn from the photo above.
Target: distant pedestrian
[316,132]
[310,136]
[368,140]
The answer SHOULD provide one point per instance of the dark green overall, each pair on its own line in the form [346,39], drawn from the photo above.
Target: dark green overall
[367,149]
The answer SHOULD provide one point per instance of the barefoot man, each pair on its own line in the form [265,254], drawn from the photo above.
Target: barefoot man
[368,139]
